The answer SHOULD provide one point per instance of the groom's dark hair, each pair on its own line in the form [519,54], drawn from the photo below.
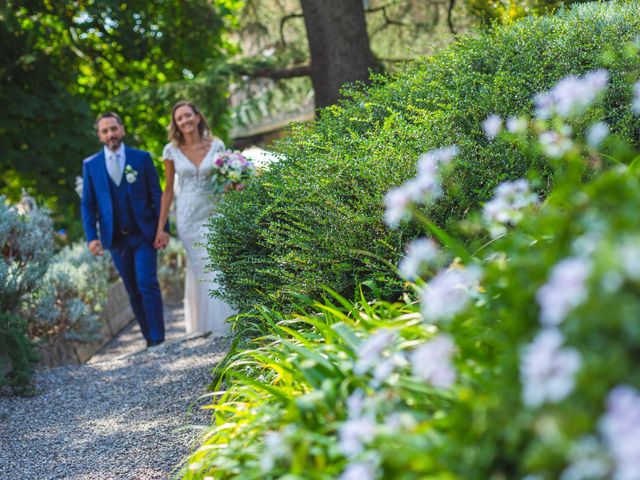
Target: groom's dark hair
[108,115]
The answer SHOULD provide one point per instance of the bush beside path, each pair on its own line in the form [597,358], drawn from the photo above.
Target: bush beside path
[117,417]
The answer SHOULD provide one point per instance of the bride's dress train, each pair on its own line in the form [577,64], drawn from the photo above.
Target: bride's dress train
[194,205]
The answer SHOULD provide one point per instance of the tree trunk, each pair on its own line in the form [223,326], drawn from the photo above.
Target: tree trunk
[339,46]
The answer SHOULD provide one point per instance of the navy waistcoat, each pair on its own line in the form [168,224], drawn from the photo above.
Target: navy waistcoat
[123,218]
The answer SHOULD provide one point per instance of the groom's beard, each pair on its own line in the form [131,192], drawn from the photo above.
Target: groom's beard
[113,144]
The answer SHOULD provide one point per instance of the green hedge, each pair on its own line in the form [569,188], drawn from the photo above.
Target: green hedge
[305,223]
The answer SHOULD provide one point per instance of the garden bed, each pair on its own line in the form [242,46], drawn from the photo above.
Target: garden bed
[116,315]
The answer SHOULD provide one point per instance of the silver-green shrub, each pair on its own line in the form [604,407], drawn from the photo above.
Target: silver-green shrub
[26,242]
[71,296]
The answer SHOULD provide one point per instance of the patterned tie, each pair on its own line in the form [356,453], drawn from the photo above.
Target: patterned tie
[114,168]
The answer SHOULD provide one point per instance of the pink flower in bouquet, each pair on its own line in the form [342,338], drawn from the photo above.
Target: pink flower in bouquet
[231,170]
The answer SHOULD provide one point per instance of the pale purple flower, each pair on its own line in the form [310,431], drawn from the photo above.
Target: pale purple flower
[428,178]
[354,434]
[370,351]
[423,189]
[597,133]
[547,370]
[429,161]
[556,144]
[431,362]
[506,206]
[635,104]
[588,461]
[492,126]
[629,257]
[423,251]
[448,293]
[620,428]
[383,371]
[398,202]
[275,447]
[571,95]
[356,403]
[359,471]
[565,290]
[517,125]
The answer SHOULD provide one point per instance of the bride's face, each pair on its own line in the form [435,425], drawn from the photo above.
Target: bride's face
[186,120]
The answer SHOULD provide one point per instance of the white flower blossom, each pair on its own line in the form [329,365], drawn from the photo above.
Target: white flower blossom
[423,251]
[506,206]
[448,293]
[431,362]
[517,125]
[547,370]
[635,104]
[597,133]
[556,144]
[359,471]
[370,351]
[354,434]
[620,428]
[565,290]
[571,95]
[492,126]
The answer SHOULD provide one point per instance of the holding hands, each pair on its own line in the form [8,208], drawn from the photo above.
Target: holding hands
[162,240]
[95,247]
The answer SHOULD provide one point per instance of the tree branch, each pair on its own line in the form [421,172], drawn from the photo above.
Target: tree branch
[276,73]
[449,19]
[284,20]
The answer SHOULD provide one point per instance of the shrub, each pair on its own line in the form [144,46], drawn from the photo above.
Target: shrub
[518,361]
[26,242]
[306,222]
[70,297]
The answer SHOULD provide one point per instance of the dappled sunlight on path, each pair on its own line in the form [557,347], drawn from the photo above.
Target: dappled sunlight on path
[116,417]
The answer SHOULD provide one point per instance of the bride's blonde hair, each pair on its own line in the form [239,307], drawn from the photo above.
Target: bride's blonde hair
[175,135]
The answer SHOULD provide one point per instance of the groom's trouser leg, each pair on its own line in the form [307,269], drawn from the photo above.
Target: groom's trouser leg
[124,260]
[146,267]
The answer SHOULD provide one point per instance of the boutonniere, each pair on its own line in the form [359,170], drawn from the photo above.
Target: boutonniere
[130,174]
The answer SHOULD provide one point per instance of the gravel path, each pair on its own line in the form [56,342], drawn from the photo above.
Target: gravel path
[114,418]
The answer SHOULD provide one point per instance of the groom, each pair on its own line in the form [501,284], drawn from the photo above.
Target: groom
[121,193]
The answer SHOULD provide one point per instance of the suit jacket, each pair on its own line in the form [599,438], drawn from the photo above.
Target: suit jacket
[144,196]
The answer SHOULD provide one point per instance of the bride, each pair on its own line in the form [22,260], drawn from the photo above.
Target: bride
[188,160]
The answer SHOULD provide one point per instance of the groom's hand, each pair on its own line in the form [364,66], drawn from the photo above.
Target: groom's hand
[95,247]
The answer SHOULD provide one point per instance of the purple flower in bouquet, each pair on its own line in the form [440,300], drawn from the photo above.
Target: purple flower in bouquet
[230,171]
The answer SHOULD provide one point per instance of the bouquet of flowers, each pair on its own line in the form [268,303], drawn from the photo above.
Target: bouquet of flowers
[230,170]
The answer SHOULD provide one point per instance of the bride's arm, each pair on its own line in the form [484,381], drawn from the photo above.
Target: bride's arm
[162,237]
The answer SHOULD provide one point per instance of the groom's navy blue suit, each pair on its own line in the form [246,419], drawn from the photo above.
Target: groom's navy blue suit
[127,215]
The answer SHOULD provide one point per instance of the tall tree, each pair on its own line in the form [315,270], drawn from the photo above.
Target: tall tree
[339,46]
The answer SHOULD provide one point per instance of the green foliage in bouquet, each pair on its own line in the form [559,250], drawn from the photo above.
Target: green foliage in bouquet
[309,220]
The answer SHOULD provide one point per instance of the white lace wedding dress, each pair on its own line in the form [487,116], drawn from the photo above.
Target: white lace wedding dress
[194,205]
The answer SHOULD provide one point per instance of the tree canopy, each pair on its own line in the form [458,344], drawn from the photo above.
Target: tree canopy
[62,63]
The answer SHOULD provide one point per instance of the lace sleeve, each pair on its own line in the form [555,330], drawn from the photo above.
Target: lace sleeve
[217,146]
[168,152]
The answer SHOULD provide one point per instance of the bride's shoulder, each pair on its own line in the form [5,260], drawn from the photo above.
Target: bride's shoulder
[217,145]
[169,151]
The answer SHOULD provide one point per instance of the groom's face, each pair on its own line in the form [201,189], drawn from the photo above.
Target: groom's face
[110,132]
